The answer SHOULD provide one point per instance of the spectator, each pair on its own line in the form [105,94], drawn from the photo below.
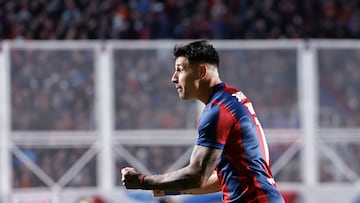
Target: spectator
[54,94]
[131,86]
[54,163]
[218,19]
[44,99]
[339,82]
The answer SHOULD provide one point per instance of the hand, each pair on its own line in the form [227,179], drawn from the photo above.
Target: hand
[131,178]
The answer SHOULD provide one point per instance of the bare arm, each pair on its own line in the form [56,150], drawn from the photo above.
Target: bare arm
[196,175]
[212,185]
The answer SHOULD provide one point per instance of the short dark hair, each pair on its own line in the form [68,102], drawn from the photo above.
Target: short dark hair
[198,51]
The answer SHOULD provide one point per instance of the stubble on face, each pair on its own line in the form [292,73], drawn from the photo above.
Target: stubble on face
[185,78]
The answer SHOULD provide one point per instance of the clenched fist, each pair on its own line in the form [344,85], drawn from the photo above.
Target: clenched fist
[131,178]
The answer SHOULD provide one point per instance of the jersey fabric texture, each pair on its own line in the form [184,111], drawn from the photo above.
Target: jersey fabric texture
[229,123]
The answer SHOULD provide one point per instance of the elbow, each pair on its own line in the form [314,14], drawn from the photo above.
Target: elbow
[196,179]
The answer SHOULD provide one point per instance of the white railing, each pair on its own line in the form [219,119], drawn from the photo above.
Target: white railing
[304,149]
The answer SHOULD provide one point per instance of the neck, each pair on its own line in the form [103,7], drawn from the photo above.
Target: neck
[207,90]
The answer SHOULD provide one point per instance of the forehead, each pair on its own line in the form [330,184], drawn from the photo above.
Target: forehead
[181,61]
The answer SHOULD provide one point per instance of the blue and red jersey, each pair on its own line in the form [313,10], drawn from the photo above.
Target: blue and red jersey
[229,123]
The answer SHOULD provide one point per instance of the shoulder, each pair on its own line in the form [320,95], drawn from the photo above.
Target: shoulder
[223,92]
[210,111]
[217,110]
[230,89]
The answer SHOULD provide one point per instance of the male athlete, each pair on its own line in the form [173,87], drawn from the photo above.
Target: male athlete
[231,154]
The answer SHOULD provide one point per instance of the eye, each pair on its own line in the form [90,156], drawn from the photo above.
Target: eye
[179,70]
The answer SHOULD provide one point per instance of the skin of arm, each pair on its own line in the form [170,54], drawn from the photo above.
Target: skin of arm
[210,186]
[191,178]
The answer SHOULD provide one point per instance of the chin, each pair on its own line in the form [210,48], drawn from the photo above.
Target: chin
[183,97]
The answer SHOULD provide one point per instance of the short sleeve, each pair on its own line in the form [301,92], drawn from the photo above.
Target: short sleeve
[214,127]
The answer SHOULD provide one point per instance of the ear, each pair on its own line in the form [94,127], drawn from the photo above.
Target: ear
[202,70]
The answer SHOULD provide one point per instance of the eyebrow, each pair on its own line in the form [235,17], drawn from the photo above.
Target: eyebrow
[179,64]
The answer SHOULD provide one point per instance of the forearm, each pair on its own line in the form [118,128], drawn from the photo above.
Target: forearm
[182,179]
[210,186]
[202,163]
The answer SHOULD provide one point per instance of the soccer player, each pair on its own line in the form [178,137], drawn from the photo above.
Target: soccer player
[231,154]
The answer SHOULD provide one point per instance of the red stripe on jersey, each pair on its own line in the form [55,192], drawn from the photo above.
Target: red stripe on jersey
[225,113]
[224,189]
[225,122]
[261,195]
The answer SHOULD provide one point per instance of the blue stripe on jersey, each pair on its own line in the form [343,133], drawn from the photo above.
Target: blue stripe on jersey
[207,127]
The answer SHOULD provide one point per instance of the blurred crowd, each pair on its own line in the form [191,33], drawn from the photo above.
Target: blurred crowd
[54,163]
[58,94]
[331,171]
[274,99]
[143,86]
[54,89]
[156,159]
[339,80]
[339,88]
[187,19]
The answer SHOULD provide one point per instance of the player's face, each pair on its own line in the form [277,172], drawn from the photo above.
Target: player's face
[185,78]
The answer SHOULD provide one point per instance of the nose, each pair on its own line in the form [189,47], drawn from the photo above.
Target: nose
[174,78]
